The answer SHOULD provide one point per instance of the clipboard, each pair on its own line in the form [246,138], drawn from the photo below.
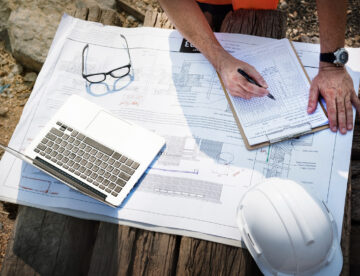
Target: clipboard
[290,136]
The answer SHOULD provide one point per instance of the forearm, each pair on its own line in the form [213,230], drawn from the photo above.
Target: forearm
[332,21]
[192,24]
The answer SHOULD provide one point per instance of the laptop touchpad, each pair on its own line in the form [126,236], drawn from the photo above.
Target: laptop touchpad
[108,128]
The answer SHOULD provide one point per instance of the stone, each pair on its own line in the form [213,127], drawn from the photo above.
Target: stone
[315,39]
[4,14]
[32,25]
[3,111]
[130,19]
[30,77]
[17,69]
[283,5]
[304,38]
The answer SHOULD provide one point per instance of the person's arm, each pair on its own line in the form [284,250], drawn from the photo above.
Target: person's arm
[192,24]
[332,82]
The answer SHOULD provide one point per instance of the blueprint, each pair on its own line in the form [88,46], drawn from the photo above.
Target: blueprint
[194,185]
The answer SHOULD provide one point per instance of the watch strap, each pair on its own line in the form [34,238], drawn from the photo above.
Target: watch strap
[327,57]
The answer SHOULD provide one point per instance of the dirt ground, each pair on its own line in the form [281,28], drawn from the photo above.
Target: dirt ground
[302,26]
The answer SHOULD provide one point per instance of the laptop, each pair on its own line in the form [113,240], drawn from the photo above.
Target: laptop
[92,151]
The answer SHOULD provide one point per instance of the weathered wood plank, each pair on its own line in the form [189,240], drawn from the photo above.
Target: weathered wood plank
[157,20]
[122,250]
[123,5]
[355,153]
[268,23]
[28,223]
[346,231]
[355,185]
[94,14]
[44,244]
[81,13]
[110,17]
[198,257]
[150,18]
[355,249]
[75,250]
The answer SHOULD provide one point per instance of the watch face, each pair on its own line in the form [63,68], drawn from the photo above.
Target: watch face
[344,57]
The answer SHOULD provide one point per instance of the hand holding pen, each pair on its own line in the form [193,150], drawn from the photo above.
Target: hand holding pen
[251,80]
[235,83]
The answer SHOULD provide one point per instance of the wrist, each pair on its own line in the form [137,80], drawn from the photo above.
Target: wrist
[327,66]
[221,60]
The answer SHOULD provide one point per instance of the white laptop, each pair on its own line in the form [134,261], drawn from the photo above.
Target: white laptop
[94,152]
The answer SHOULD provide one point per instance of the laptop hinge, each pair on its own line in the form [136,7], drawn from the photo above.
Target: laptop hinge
[63,176]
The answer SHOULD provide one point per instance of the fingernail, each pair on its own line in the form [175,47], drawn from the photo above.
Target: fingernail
[349,126]
[333,128]
[343,130]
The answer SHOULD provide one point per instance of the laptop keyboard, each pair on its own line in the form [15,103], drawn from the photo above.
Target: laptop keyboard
[86,158]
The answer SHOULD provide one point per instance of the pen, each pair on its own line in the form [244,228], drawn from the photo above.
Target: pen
[251,80]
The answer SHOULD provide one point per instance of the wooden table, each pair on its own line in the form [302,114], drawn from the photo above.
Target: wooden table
[46,243]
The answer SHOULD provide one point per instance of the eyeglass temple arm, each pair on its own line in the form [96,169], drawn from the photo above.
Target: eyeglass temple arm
[127,47]
[83,59]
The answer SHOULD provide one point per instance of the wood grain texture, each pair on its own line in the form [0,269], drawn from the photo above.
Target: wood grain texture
[110,17]
[94,14]
[355,249]
[355,185]
[81,13]
[346,230]
[198,257]
[157,20]
[267,23]
[46,243]
[123,5]
[131,251]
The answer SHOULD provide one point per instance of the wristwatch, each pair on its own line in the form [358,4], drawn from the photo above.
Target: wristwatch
[339,57]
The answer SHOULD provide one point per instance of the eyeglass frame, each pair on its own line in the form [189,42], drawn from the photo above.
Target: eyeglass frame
[85,76]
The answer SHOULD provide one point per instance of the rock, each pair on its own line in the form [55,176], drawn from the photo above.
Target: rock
[304,38]
[24,96]
[30,77]
[283,5]
[315,39]
[3,111]
[32,25]
[17,69]
[4,14]
[130,19]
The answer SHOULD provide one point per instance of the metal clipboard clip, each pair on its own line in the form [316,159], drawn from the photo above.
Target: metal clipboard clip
[289,132]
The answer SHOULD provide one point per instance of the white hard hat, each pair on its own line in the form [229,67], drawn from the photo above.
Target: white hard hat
[288,231]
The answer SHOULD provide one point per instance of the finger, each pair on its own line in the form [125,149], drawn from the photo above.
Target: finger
[349,113]
[237,91]
[331,110]
[313,98]
[256,76]
[355,101]
[340,106]
[253,89]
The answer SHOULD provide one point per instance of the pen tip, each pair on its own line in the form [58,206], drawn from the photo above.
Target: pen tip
[271,96]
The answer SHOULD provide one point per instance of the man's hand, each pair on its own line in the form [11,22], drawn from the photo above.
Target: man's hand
[236,84]
[336,87]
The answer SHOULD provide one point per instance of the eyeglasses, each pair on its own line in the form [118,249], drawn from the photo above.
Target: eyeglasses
[118,73]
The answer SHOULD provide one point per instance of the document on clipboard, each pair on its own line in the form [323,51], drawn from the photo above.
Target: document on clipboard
[263,121]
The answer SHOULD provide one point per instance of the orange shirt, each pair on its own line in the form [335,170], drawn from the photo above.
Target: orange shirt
[245,4]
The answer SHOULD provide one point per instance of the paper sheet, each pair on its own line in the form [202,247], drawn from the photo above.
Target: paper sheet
[267,120]
[194,187]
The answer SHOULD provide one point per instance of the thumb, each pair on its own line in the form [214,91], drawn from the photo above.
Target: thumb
[313,98]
